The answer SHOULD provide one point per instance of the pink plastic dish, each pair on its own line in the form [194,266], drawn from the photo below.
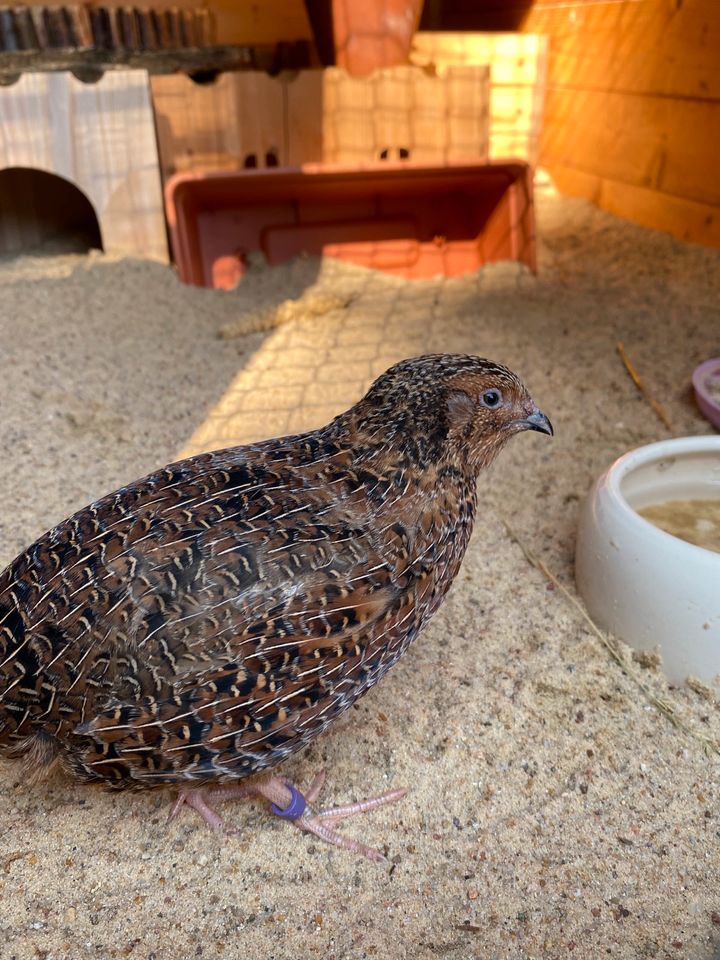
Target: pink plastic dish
[709,402]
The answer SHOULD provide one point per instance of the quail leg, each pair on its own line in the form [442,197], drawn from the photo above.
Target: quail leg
[288,802]
[197,798]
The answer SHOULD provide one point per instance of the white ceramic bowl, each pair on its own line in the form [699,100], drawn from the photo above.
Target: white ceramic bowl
[644,585]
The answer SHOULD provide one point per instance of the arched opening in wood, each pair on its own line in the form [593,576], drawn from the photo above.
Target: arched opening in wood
[42,211]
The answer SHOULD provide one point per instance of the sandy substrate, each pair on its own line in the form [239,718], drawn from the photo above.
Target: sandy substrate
[553,810]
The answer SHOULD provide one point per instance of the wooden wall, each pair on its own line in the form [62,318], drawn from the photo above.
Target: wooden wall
[518,69]
[632,108]
[251,119]
[266,21]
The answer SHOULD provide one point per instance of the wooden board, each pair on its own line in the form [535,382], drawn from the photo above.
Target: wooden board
[268,21]
[695,222]
[325,116]
[303,99]
[632,116]
[234,21]
[643,46]
[632,112]
[518,66]
[221,125]
[99,137]
[406,113]
[395,113]
[645,141]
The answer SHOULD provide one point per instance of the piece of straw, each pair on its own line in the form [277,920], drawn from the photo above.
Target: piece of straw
[639,383]
[708,743]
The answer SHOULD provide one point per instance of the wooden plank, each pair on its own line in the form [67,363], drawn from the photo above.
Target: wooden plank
[653,142]
[258,105]
[684,219]
[405,112]
[200,60]
[271,21]
[193,123]
[348,122]
[234,22]
[632,113]
[518,64]
[219,125]
[653,46]
[303,98]
[101,138]
[321,115]
[642,46]
[514,58]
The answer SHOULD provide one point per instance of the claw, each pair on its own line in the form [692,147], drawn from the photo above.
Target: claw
[196,799]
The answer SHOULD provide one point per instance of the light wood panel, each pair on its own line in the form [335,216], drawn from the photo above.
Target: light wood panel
[406,113]
[324,115]
[644,46]
[303,93]
[641,140]
[518,65]
[695,222]
[99,137]
[218,125]
[632,114]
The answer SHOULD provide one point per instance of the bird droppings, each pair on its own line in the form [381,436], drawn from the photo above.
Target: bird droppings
[126,336]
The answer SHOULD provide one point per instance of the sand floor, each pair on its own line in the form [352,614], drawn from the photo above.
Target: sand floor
[553,810]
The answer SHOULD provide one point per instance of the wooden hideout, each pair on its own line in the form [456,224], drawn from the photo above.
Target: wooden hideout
[322,116]
[66,143]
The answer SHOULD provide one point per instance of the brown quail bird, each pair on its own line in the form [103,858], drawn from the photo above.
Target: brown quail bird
[203,624]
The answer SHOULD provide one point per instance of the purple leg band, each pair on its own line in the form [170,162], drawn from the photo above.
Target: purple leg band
[295,809]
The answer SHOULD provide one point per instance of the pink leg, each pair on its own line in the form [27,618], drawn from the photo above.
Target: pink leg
[279,791]
[197,799]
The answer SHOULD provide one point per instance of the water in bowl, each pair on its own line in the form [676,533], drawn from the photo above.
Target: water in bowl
[696,521]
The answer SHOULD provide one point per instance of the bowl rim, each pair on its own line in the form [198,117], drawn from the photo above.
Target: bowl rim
[640,457]
[698,381]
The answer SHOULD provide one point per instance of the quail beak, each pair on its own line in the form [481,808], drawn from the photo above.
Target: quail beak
[538,421]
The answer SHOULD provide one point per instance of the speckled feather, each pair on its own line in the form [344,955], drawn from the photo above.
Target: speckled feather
[209,620]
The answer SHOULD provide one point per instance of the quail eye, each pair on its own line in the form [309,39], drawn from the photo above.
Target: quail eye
[491,398]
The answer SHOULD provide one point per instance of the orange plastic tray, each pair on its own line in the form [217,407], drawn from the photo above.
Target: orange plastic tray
[407,219]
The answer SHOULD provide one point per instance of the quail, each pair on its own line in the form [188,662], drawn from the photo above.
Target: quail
[199,626]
